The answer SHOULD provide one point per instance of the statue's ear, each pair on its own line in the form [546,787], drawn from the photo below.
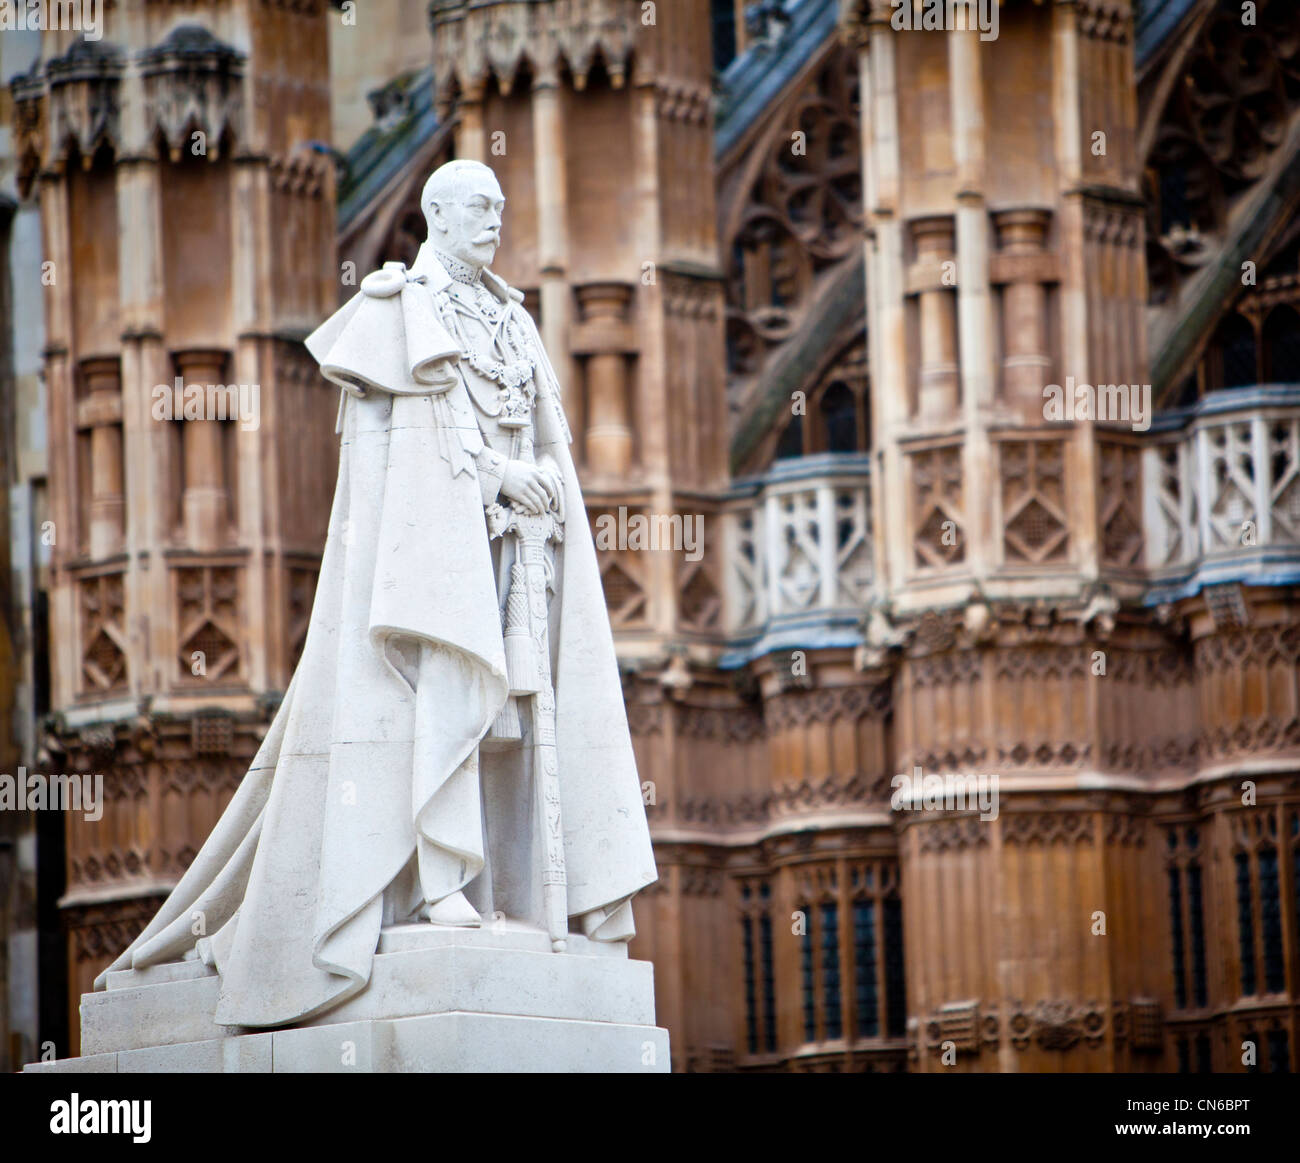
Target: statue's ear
[437,218]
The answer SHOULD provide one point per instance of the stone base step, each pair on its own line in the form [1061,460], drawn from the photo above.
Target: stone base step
[441,1043]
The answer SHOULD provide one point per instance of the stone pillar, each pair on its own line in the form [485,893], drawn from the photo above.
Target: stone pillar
[205,501]
[1025,361]
[549,151]
[146,365]
[937,396]
[974,307]
[609,431]
[471,137]
[101,410]
[974,295]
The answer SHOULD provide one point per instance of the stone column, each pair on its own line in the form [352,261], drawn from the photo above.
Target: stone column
[974,293]
[1025,361]
[471,138]
[146,365]
[974,306]
[205,500]
[549,150]
[101,411]
[609,431]
[937,397]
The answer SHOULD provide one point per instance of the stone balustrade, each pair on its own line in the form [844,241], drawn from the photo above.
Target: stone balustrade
[799,551]
[1222,490]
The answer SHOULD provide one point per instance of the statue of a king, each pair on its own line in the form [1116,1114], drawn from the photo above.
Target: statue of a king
[453,746]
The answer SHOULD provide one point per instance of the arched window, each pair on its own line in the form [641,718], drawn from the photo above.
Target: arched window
[1282,346]
[1235,340]
[840,418]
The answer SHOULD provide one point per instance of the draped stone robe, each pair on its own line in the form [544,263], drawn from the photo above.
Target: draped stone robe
[366,798]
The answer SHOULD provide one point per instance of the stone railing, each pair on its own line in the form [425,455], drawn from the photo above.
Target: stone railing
[798,548]
[1222,487]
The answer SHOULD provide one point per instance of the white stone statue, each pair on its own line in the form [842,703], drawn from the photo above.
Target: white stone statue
[453,748]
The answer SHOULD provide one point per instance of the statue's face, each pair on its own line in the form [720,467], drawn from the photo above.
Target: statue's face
[469,227]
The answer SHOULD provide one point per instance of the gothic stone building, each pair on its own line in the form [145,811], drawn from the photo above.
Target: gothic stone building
[805,275]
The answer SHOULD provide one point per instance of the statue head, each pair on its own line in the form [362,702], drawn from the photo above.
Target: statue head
[462,203]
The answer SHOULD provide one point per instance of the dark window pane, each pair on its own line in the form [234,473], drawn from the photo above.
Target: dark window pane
[864,968]
[724,33]
[1282,346]
[1245,926]
[840,417]
[1196,907]
[895,983]
[751,1001]
[1295,876]
[1184,1058]
[769,980]
[1204,1063]
[1173,198]
[1176,925]
[831,970]
[1236,343]
[1270,921]
[808,978]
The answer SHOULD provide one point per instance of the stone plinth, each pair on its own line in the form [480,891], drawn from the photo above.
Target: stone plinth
[438,1000]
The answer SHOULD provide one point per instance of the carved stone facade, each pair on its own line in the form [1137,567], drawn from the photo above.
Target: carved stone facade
[178,195]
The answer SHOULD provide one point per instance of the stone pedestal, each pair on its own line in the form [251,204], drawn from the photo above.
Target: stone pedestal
[492,1000]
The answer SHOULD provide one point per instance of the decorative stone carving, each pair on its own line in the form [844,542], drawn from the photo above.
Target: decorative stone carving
[31,111]
[1047,828]
[473,42]
[103,632]
[1034,521]
[1119,495]
[800,549]
[211,734]
[699,604]
[1057,1025]
[1216,136]
[958,1023]
[85,102]
[938,508]
[207,604]
[826,706]
[1146,1030]
[623,573]
[950,834]
[794,216]
[193,83]
[98,930]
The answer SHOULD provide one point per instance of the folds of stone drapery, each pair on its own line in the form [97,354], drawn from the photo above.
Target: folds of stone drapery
[372,757]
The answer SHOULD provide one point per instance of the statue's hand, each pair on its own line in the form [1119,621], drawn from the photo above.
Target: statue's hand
[547,464]
[532,488]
